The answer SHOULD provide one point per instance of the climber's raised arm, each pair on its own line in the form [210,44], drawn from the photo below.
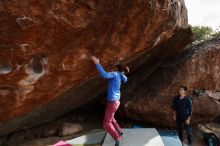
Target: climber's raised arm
[104,74]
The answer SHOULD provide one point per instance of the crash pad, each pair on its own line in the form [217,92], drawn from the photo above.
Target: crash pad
[137,137]
[62,143]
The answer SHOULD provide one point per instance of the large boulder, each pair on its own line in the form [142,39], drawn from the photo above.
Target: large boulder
[45,47]
[150,99]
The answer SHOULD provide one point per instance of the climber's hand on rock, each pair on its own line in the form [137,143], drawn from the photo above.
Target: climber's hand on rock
[95,60]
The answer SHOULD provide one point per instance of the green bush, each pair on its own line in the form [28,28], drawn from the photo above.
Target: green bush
[202,33]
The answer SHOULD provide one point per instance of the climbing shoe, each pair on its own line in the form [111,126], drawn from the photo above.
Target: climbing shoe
[120,133]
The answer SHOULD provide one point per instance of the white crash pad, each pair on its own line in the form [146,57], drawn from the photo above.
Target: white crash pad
[136,137]
[89,139]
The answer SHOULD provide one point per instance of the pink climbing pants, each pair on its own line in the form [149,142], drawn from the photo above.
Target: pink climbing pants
[109,123]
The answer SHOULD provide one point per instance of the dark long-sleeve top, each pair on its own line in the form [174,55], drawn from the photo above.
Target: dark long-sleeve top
[183,107]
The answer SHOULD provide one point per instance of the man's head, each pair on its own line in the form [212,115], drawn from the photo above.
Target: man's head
[182,90]
[122,68]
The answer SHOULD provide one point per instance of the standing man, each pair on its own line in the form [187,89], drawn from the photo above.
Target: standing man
[182,107]
[113,97]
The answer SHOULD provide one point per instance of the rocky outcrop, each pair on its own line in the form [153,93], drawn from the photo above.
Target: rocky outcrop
[45,47]
[198,68]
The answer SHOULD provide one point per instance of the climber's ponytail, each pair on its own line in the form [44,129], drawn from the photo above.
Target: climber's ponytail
[122,68]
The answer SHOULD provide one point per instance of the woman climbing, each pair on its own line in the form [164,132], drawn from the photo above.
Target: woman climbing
[113,97]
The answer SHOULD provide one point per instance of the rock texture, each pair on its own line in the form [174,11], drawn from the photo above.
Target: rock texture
[199,68]
[45,46]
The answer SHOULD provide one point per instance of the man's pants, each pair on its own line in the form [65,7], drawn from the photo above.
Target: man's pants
[109,123]
[180,121]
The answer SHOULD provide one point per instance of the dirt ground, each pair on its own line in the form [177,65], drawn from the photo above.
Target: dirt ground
[81,122]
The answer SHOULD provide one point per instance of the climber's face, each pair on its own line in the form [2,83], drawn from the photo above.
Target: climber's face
[182,91]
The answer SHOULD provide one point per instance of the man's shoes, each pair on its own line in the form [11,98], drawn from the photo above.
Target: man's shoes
[117,143]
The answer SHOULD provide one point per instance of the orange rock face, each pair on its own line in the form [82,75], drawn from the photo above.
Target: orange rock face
[45,47]
[198,68]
